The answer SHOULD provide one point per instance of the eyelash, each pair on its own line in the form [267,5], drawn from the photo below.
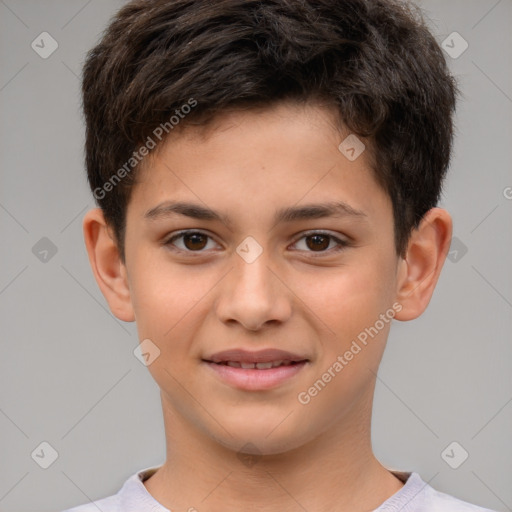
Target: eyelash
[341,243]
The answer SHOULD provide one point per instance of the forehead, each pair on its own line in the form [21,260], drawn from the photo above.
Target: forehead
[313,123]
[258,159]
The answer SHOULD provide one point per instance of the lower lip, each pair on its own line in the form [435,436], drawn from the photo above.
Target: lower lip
[253,379]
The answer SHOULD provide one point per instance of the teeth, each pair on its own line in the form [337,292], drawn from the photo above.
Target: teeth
[259,366]
[264,366]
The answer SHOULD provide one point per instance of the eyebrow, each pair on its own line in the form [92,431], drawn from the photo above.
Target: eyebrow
[289,214]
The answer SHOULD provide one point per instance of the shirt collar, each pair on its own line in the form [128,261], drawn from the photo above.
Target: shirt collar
[134,497]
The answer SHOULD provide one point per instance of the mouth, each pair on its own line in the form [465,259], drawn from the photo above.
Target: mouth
[254,371]
[267,358]
[258,366]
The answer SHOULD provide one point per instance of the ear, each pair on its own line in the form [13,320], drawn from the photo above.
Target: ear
[419,271]
[109,270]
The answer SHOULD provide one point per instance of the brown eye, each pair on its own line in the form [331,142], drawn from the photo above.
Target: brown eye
[320,242]
[191,241]
[194,241]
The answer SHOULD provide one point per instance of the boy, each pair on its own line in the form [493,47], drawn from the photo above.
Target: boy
[267,188]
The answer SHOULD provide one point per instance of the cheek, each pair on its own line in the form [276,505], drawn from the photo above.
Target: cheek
[351,297]
[161,294]
[350,302]
[168,300]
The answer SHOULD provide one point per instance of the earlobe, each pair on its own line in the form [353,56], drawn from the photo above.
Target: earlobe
[106,264]
[419,272]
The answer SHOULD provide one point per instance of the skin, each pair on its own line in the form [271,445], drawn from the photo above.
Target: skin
[294,296]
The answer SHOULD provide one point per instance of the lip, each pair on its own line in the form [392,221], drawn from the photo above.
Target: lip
[249,379]
[253,379]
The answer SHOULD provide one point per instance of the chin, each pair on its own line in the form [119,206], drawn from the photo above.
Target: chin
[255,435]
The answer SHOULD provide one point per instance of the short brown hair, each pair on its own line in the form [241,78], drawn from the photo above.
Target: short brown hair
[374,61]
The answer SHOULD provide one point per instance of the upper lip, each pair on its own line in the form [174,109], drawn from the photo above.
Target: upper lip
[260,356]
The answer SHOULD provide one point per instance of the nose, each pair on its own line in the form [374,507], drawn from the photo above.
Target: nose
[254,294]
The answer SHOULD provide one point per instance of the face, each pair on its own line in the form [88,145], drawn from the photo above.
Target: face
[264,271]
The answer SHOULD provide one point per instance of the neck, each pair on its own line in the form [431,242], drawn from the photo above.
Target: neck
[336,471]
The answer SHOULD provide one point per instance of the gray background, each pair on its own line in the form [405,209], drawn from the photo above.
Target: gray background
[68,375]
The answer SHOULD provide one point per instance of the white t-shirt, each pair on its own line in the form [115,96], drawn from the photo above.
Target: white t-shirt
[415,496]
